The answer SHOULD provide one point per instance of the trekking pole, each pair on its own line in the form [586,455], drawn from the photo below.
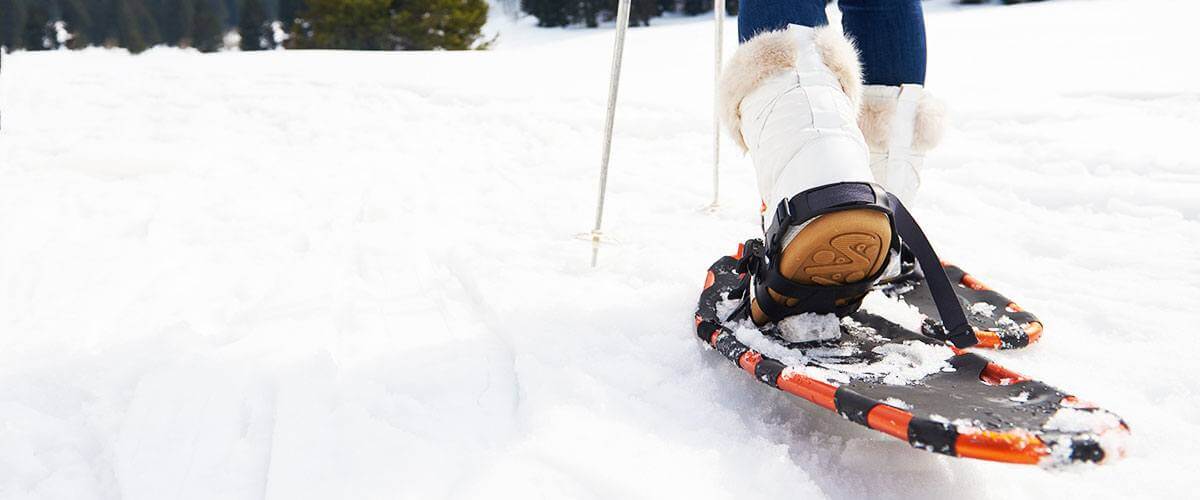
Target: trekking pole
[718,27]
[613,81]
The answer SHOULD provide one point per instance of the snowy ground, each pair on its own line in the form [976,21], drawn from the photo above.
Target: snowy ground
[347,275]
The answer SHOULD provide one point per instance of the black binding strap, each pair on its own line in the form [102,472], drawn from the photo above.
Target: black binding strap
[845,299]
[958,330]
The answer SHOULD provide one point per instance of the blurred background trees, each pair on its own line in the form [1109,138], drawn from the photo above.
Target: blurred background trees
[590,13]
[210,25]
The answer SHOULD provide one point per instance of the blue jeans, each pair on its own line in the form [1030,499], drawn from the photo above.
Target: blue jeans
[889,34]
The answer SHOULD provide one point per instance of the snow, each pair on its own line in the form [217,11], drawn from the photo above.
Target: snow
[752,337]
[354,275]
[1077,420]
[808,327]
[895,310]
[982,309]
[898,364]
[726,307]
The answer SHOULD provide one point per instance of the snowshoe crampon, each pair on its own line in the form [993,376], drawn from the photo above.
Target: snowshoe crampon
[908,384]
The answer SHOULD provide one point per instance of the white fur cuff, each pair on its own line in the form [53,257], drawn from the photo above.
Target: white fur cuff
[773,52]
[875,118]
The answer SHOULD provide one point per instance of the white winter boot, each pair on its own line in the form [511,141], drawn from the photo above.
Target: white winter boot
[791,98]
[900,125]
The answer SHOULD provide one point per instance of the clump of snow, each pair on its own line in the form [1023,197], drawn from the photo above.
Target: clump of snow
[726,307]
[903,364]
[899,364]
[1114,443]
[892,309]
[1020,398]
[231,40]
[897,402]
[823,374]
[1076,420]
[809,327]
[1007,324]
[982,309]
[748,334]
[1060,453]
[1101,425]
[61,35]
[856,329]
[278,34]
[966,423]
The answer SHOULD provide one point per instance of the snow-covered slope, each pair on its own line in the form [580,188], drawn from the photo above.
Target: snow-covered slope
[354,275]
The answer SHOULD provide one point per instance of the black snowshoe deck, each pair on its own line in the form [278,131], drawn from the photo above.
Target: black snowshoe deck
[948,401]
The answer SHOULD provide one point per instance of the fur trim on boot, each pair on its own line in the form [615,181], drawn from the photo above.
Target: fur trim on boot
[900,124]
[878,107]
[773,52]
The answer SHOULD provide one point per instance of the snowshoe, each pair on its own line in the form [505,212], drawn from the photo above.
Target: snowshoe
[913,383]
[907,384]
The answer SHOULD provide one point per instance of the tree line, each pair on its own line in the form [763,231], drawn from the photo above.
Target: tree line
[590,13]
[554,13]
[210,25]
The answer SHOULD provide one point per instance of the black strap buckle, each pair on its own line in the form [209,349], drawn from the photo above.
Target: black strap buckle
[752,257]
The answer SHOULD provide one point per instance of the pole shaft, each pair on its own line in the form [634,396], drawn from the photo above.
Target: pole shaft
[719,18]
[613,83]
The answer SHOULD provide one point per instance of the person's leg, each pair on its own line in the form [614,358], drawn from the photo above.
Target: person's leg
[899,120]
[761,16]
[890,36]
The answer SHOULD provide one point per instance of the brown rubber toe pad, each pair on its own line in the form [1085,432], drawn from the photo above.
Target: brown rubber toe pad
[833,249]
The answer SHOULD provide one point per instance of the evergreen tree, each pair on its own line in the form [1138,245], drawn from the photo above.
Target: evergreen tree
[437,24]
[178,20]
[641,11]
[79,22]
[208,25]
[549,13]
[253,25]
[35,30]
[390,24]
[696,7]
[588,10]
[289,10]
[230,8]
[346,24]
[147,21]
[129,26]
[102,30]
[13,14]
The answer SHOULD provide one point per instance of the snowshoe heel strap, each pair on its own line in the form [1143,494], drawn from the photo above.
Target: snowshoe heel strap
[840,299]
[958,330]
